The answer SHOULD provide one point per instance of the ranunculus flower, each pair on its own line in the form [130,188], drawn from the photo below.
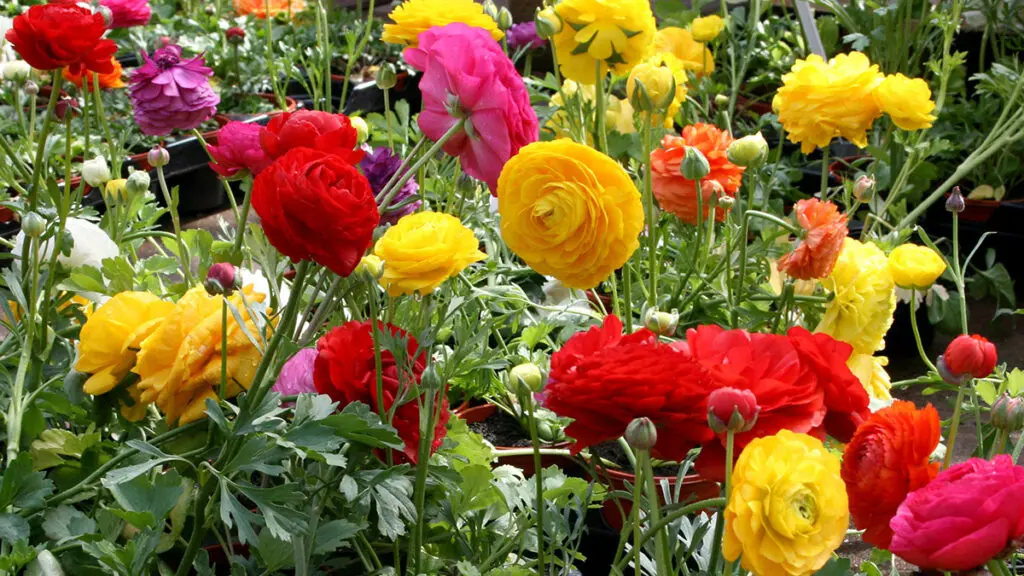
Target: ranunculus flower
[345,370]
[414,17]
[525,34]
[603,380]
[787,509]
[914,266]
[92,245]
[296,375]
[677,194]
[237,150]
[467,76]
[259,8]
[732,409]
[615,35]
[845,397]
[378,167]
[169,93]
[62,35]
[707,28]
[107,81]
[963,518]
[316,206]
[109,340]
[886,460]
[970,355]
[423,250]
[569,212]
[679,42]
[323,131]
[128,13]
[907,101]
[870,370]
[860,312]
[817,251]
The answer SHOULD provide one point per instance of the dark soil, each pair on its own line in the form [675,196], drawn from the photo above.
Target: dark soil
[612,452]
[500,429]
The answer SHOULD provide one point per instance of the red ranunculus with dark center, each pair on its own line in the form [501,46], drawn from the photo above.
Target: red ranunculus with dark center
[970,355]
[845,397]
[62,35]
[316,206]
[603,380]
[332,133]
[344,370]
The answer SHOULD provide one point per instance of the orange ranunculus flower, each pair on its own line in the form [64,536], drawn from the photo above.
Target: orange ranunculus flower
[886,460]
[259,8]
[107,81]
[817,252]
[677,194]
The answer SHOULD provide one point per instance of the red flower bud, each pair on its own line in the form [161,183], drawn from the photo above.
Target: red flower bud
[732,409]
[66,108]
[970,355]
[235,34]
[221,279]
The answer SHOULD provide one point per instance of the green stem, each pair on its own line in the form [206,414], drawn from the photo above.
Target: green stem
[917,333]
[727,489]
[824,172]
[600,136]
[172,207]
[420,488]
[387,117]
[17,407]
[653,502]
[538,479]
[101,119]
[660,525]
[955,425]
[652,220]
[388,193]
[37,165]
[958,273]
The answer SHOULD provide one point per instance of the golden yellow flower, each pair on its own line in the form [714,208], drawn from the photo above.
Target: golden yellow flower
[787,510]
[870,370]
[258,8]
[180,362]
[695,56]
[907,101]
[658,83]
[115,190]
[423,250]
[914,266]
[569,211]
[707,28]
[412,17]
[109,341]
[819,101]
[617,34]
[653,70]
[860,312]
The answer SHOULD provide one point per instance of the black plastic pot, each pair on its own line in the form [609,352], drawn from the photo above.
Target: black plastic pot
[899,340]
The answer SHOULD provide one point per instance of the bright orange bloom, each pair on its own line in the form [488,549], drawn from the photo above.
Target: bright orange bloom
[107,81]
[886,460]
[816,254]
[678,195]
[258,8]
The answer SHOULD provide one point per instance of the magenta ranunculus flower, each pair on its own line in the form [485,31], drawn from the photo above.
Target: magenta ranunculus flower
[296,375]
[238,149]
[467,75]
[966,516]
[169,93]
[128,13]
[379,166]
[524,34]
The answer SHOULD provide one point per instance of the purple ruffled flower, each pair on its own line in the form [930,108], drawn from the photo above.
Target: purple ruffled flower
[378,167]
[169,93]
[296,375]
[523,34]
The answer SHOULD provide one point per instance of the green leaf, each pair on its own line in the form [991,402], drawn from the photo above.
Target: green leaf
[20,554]
[393,498]
[13,528]
[357,423]
[21,487]
[232,513]
[471,448]
[313,407]
[119,273]
[1015,382]
[54,443]
[1000,279]
[275,553]
[88,279]
[155,498]
[475,491]
[258,453]
[335,534]
[121,475]
[986,390]
[281,508]
[65,523]
[835,567]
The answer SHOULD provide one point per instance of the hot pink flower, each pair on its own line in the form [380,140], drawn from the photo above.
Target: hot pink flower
[128,13]
[467,75]
[237,149]
[966,516]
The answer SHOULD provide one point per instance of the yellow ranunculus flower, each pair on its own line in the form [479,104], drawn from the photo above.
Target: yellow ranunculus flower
[618,112]
[787,510]
[707,28]
[110,339]
[908,101]
[115,190]
[180,362]
[914,266]
[412,17]
[861,311]
[819,101]
[619,115]
[569,211]
[658,83]
[870,370]
[695,56]
[613,33]
[423,250]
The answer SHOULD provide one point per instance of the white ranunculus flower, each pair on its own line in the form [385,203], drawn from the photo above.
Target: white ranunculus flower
[16,71]
[95,172]
[6,50]
[260,285]
[92,245]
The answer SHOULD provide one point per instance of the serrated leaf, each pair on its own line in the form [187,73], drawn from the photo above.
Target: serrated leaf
[393,499]
[258,453]
[13,528]
[335,534]
[275,553]
[475,490]
[313,407]
[348,488]
[313,436]
[155,498]
[54,443]
[89,279]
[121,475]
[21,487]
[65,523]
[280,506]
[357,423]
[232,513]
[986,390]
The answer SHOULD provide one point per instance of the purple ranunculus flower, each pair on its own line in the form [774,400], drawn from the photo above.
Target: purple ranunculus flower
[296,375]
[523,34]
[378,167]
[169,93]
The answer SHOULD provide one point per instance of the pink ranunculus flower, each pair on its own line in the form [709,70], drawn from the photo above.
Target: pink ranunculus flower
[171,93]
[296,375]
[466,74]
[128,13]
[963,518]
[238,149]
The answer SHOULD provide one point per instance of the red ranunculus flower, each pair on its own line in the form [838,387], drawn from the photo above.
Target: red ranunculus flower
[845,397]
[816,253]
[603,380]
[344,370]
[59,35]
[970,355]
[886,460]
[316,206]
[332,133]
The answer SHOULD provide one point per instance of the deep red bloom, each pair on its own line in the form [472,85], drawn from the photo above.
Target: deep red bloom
[603,380]
[970,354]
[331,133]
[344,370]
[886,460]
[845,397]
[315,206]
[59,35]
[724,403]
[816,254]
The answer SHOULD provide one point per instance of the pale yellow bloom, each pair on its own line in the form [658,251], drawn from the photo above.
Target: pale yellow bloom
[870,370]
[860,312]
[707,28]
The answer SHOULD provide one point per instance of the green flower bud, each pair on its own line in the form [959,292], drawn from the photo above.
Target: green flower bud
[1008,413]
[491,9]
[547,23]
[33,225]
[362,128]
[661,323]
[138,183]
[386,76]
[721,101]
[504,19]
[527,375]
[641,434]
[749,151]
[694,165]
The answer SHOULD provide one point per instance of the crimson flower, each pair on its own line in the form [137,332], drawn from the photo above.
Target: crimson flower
[62,35]
[331,133]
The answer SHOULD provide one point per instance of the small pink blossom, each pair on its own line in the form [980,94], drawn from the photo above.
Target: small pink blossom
[238,149]
[128,13]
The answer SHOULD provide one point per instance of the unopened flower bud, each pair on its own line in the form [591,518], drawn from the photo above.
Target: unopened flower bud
[158,156]
[138,183]
[108,16]
[658,83]
[66,108]
[547,23]
[31,88]
[955,201]
[639,98]
[362,128]
[661,323]
[210,10]
[526,375]
[115,190]
[371,266]
[16,71]
[863,188]
[641,434]
[95,172]
[694,165]
[221,279]
[504,19]
[235,35]
[970,355]
[1008,413]
[730,409]
[33,225]
[724,200]
[491,9]
[750,151]
[386,76]
[721,101]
